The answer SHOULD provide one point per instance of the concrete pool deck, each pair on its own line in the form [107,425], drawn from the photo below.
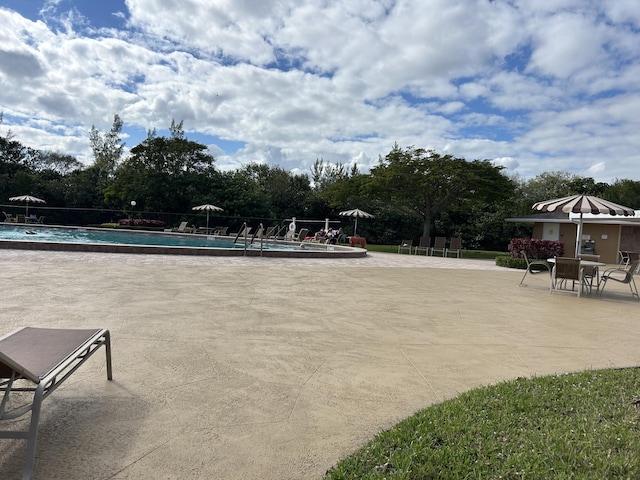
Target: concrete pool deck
[254,368]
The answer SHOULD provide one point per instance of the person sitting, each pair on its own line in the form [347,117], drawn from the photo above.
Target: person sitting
[341,236]
[320,235]
[331,237]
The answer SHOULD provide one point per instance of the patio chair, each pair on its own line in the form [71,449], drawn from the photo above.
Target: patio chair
[9,218]
[565,269]
[632,257]
[534,267]
[21,219]
[36,361]
[623,257]
[591,272]
[622,275]
[455,246]
[302,234]
[439,245]
[424,245]
[405,245]
[182,228]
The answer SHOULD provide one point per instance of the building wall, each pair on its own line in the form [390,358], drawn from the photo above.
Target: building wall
[630,238]
[606,238]
[607,247]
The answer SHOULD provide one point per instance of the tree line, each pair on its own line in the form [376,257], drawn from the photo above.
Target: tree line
[411,191]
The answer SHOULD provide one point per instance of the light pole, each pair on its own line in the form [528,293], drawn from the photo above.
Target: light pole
[133,206]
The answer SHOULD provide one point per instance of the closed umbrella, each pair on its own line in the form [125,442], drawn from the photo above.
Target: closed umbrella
[209,208]
[27,199]
[356,213]
[583,204]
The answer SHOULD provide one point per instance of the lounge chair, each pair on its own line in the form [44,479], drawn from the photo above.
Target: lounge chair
[9,218]
[21,219]
[439,245]
[405,245]
[182,228]
[271,232]
[423,246]
[302,234]
[38,360]
[622,275]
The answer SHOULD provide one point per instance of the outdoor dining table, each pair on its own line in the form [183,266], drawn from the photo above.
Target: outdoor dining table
[583,263]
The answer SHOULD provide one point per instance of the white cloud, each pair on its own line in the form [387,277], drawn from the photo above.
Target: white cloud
[537,85]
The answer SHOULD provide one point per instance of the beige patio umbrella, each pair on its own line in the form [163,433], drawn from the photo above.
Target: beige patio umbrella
[26,199]
[356,213]
[583,204]
[209,208]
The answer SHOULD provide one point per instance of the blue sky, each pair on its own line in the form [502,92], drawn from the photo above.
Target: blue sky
[535,86]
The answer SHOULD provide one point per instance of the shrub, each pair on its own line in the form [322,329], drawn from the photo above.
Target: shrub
[510,262]
[535,248]
[141,222]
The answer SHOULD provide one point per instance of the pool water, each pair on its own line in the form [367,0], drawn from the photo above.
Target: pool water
[32,233]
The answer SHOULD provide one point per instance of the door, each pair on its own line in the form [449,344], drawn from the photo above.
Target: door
[551,231]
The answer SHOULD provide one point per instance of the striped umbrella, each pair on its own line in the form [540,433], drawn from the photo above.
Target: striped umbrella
[209,208]
[27,199]
[356,213]
[583,204]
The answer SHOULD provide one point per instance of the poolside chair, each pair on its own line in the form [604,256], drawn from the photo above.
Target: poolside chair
[622,275]
[21,219]
[9,218]
[455,246]
[181,228]
[302,234]
[36,361]
[423,246]
[271,232]
[405,245]
[565,269]
[632,257]
[623,257]
[590,272]
[535,266]
[439,245]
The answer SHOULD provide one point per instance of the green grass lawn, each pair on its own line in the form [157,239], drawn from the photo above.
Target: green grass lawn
[580,426]
[465,253]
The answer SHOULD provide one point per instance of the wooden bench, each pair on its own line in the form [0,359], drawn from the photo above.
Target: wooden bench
[37,361]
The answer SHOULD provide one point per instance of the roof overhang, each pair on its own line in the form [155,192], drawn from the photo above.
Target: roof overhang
[561,217]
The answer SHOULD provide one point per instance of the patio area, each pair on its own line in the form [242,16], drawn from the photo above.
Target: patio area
[237,368]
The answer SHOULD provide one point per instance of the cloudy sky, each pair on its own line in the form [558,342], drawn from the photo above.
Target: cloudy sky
[535,85]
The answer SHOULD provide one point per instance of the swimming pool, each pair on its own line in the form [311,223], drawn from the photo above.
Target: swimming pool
[85,239]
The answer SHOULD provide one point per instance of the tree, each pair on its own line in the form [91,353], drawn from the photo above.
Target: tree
[107,150]
[285,194]
[423,183]
[163,173]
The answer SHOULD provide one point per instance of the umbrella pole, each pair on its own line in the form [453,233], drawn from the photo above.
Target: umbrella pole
[207,220]
[579,237]
[26,212]
[355,229]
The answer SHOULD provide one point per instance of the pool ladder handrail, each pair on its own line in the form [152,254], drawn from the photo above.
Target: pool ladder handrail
[243,230]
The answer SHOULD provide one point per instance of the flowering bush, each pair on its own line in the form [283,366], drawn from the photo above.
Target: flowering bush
[535,248]
[141,222]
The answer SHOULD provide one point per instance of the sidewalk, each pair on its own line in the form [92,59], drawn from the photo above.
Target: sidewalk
[251,368]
